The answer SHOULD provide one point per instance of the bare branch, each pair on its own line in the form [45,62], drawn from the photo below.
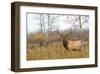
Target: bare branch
[85,18]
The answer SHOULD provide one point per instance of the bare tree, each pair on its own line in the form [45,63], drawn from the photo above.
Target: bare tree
[46,24]
[41,36]
[82,21]
[41,23]
[51,21]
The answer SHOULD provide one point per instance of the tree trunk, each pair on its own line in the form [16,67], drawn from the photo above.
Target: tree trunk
[80,33]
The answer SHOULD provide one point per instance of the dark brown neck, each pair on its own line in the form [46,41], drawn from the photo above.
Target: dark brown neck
[65,43]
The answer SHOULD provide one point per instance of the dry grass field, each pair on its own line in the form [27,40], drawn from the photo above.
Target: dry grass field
[55,51]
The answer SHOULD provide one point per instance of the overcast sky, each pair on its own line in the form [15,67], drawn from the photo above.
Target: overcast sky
[33,23]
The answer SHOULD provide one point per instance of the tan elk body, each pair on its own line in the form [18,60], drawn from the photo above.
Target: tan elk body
[74,45]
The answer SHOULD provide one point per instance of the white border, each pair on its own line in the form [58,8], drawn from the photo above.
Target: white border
[61,62]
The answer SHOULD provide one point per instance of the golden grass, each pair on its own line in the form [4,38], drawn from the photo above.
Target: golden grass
[55,51]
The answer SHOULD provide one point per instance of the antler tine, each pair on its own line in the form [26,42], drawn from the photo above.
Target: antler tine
[68,33]
[59,33]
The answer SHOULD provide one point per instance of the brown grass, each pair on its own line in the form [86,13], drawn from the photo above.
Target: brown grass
[54,51]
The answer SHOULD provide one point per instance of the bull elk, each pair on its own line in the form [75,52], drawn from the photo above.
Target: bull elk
[68,44]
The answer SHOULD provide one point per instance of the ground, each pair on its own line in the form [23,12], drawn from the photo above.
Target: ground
[55,51]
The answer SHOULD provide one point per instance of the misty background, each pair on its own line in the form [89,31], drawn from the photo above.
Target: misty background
[62,22]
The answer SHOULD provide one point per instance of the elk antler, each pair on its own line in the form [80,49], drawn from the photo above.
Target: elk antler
[65,42]
[59,33]
[66,35]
